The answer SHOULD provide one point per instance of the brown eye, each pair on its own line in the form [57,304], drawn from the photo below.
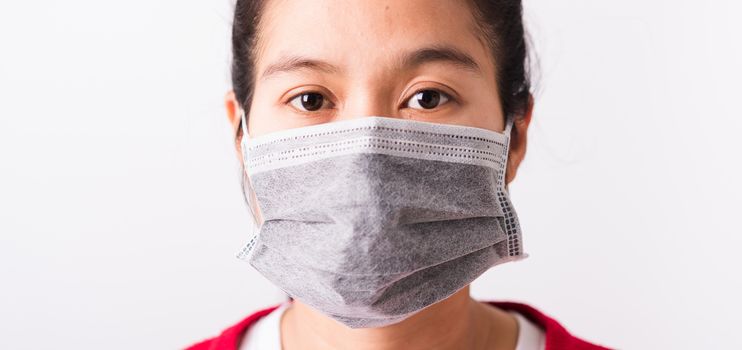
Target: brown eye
[309,101]
[427,99]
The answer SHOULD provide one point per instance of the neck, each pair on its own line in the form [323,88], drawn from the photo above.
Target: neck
[458,322]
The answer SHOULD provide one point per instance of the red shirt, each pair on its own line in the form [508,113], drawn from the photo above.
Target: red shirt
[557,337]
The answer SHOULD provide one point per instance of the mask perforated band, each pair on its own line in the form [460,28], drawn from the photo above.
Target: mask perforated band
[376,134]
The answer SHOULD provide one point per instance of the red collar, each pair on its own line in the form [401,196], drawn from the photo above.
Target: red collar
[557,337]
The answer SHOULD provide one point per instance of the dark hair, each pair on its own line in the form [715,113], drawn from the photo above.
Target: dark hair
[500,23]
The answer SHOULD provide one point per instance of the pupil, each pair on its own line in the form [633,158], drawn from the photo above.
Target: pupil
[429,99]
[311,101]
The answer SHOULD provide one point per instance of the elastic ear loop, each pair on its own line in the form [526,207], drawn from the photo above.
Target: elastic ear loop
[243,123]
[247,190]
[508,126]
[245,180]
[509,121]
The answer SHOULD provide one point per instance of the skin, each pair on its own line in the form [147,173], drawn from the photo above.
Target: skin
[363,42]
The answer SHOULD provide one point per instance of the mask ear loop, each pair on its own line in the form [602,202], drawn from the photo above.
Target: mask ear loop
[509,121]
[247,192]
[243,123]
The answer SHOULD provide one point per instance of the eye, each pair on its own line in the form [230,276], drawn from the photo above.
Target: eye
[428,99]
[308,101]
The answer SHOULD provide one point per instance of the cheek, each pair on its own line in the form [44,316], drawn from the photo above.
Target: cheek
[262,118]
[483,109]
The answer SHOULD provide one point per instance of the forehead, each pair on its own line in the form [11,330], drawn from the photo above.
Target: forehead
[365,33]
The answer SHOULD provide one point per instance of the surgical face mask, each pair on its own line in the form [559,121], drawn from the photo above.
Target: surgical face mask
[371,220]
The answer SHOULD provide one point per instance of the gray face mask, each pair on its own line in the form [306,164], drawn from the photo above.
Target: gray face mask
[373,219]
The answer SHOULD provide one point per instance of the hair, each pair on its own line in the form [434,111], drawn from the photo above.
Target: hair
[500,27]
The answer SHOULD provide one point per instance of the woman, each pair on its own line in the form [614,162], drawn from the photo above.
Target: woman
[378,139]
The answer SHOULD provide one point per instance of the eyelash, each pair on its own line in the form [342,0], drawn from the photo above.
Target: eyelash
[449,97]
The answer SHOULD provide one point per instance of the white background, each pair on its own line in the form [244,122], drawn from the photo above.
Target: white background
[121,211]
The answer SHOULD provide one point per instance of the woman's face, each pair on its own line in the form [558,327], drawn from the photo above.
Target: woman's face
[326,60]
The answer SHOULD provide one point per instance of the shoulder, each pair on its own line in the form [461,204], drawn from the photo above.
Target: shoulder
[557,336]
[230,338]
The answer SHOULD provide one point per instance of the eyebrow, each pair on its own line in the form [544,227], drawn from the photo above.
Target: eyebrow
[444,54]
